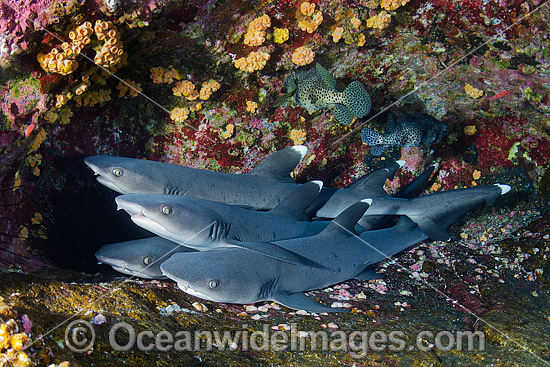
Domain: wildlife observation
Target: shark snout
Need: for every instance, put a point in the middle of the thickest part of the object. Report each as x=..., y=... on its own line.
x=89, y=161
x=131, y=207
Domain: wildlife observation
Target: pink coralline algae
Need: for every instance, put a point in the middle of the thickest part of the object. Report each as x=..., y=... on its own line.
x=17, y=18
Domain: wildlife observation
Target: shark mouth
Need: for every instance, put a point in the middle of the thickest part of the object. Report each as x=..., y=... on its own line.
x=187, y=289
x=108, y=183
x=152, y=226
x=101, y=179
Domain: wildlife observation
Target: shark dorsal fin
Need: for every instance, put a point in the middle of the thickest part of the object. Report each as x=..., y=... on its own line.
x=278, y=165
x=325, y=76
x=345, y=222
x=296, y=203
x=417, y=185
x=372, y=184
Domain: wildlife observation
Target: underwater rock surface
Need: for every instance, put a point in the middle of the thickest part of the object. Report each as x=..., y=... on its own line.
x=199, y=84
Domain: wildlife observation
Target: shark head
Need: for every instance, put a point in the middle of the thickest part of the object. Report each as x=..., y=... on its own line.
x=222, y=276
x=125, y=175
x=180, y=219
x=141, y=258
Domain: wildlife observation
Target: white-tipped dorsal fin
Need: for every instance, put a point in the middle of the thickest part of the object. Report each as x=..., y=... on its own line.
x=278, y=165
x=401, y=162
x=503, y=188
x=296, y=203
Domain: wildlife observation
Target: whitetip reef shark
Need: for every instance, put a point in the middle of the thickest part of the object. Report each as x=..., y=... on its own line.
x=262, y=188
x=220, y=276
x=141, y=258
x=266, y=185
x=204, y=225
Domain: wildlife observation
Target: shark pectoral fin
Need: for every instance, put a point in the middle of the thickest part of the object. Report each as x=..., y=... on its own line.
x=244, y=206
x=342, y=114
x=325, y=76
x=430, y=226
x=278, y=165
x=297, y=202
x=299, y=301
x=369, y=274
x=277, y=252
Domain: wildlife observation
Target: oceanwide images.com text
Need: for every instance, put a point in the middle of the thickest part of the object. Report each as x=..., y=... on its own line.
x=80, y=337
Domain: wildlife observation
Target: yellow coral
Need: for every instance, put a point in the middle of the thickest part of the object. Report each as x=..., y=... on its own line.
x=208, y=88
x=303, y=56
x=57, y=62
x=311, y=23
x=50, y=116
x=393, y=4
x=260, y=23
x=81, y=88
x=157, y=75
x=470, y=130
x=361, y=40
x=40, y=137
x=228, y=132
x=251, y=106
x=337, y=34
x=129, y=86
x=169, y=76
x=179, y=114
x=280, y=35
x=379, y=21
x=476, y=174
x=93, y=98
x=298, y=136
x=307, y=8
x=111, y=51
x=65, y=115
x=187, y=89
x=473, y=92
x=356, y=22
x=61, y=100
x=254, y=61
x=254, y=37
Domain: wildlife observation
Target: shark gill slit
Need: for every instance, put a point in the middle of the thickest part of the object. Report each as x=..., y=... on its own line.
x=266, y=291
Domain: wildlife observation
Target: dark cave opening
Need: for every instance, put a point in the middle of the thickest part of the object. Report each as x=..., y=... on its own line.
x=81, y=217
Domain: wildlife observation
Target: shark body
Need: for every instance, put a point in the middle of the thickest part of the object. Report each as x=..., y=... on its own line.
x=270, y=279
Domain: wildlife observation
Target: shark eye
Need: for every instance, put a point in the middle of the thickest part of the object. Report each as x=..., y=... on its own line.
x=213, y=284
x=117, y=172
x=167, y=209
x=148, y=260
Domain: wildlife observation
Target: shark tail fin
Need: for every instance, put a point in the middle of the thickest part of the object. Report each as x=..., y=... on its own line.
x=443, y=214
x=296, y=203
x=278, y=165
x=357, y=99
x=344, y=223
